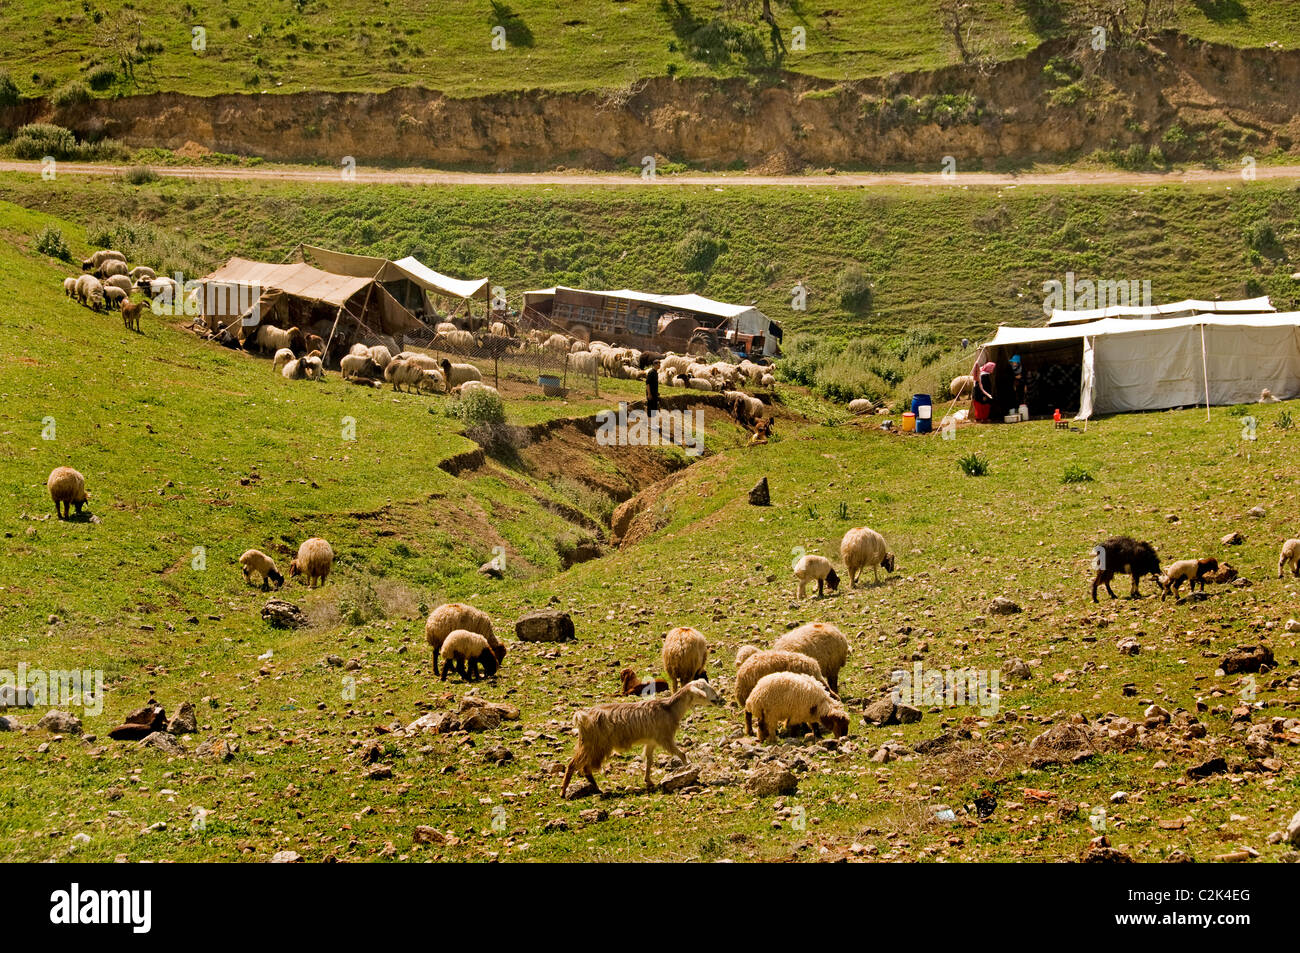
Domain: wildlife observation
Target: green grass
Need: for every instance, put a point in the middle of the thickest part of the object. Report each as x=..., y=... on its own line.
x=257, y=45
x=187, y=445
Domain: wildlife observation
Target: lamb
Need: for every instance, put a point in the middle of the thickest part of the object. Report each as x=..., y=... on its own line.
x=162, y=287
x=810, y=567
x=67, y=489
x=1290, y=557
x=434, y=382
x=69, y=287
x=402, y=373
x=256, y=561
x=1123, y=554
x=303, y=368
x=355, y=365
x=450, y=617
x=456, y=374
x=142, y=271
x=862, y=547
x=822, y=642
x=632, y=685
x=619, y=726
x=271, y=339
x=131, y=311
x=315, y=559
x=685, y=654
x=120, y=281
x=282, y=357
x=88, y=290
x=961, y=386
x=114, y=296
x=758, y=664
x=795, y=699
x=466, y=651
x=469, y=387
x=1186, y=570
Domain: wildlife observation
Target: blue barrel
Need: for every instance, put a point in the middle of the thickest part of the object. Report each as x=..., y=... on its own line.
x=924, y=411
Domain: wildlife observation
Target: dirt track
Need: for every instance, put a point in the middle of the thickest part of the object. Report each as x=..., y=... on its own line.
x=883, y=179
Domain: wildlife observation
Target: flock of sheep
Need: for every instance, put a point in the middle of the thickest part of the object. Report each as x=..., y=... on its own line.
x=107, y=281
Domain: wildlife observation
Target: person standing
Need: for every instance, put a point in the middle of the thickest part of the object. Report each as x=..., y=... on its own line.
x=982, y=399
x=1017, y=383
x=652, y=391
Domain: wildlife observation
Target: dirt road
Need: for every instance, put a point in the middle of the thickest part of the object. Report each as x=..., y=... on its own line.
x=362, y=176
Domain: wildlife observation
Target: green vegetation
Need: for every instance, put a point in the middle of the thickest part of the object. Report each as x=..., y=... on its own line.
x=1076, y=473
x=41, y=139
x=49, y=241
x=973, y=465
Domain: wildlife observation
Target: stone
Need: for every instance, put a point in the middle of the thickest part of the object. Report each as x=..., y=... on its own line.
x=380, y=772
x=427, y=835
x=184, y=722
x=1128, y=645
x=1247, y=658
x=491, y=570
x=286, y=857
x=1001, y=605
x=881, y=712
x=593, y=815
x=771, y=780
x=141, y=723
x=1061, y=744
x=216, y=749
x=1016, y=668
x=1257, y=512
x=1293, y=831
x=1105, y=855
x=1233, y=539
x=437, y=722
x=759, y=495
x=60, y=722
x=7, y=724
x=681, y=779
x=1207, y=768
x=545, y=625
x=283, y=614
x=498, y=754
x=906, y=714
x=163, y=742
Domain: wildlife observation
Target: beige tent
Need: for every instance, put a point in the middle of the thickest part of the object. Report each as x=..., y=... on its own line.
x=408, y=280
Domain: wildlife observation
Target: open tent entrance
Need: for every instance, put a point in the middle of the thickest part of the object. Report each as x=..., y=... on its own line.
x=1053, y=371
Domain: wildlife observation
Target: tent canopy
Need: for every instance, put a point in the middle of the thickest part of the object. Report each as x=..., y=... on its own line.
x=1152, y=364
x=694, y=303
x=408, y=269
x=1176, y=309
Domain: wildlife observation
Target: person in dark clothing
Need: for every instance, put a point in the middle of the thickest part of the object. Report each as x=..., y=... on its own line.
x=1017, y=381
x=982, y=400
x=652, y=391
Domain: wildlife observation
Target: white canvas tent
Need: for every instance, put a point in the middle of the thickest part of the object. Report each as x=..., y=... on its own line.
x=408, y=280
x=1176, y=309
x=1152, y=364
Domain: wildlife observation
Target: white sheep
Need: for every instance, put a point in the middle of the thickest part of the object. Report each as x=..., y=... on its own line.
x=381, y=355
x=67, y=489
x=583, y=364
x=861, y=406
x=402, y=373
x=450, y=617
x=556, y=344
x=111, y=267
x=445, y=327
x=421, y=360
x=469, y=387
x=282, y=357
x=256, y=561
x=466, y=651
x=90, y=291
x=620, y=726
x=121, y=282
x=98, y=258
x=862, y=547
x=795, y=699
x=315, y=559
x=69, y=286
x=821, y=641
x=1290, y=557
x=142, y=271
x=114, y=297
x=456, y=340
x=758, y=664
x=433, y=382
x=685, y=655
x=700, y=383
x=812, y=567
x=768, y=381
x=271, y=339
x=457, y=374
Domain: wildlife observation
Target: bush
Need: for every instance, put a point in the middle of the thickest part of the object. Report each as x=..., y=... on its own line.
x=1075, y=473
x=42, y=139
x=100, y=77
x=50, y=242
x=140, y=175
x=480, y=407
x=973, y=465
x=855, y=290
x=1261, y=237
x=8, y=91
x=697, y=250
x=72, y=93
x=1284, y=421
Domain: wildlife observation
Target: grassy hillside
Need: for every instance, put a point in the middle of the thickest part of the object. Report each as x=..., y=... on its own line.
x=187, y=445
x=283, y=46
x=945, y=263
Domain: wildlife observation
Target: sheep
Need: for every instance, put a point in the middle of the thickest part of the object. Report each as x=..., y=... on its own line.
x=961, y=386
x=466, y=651
x=456, y=340
x=131, y=311
x=282, y=357
x=142, y=271
x=1290, y=557
x=381, y=355
x=469, y=387
x=452, y=616
x=795, y=699
x=820, y=641
x=557, y=344
x=1123, y=554
x=456, y=374
x=434, y=382
x=303, y=368
x=114, y=296
x=157, y=287
x=810, y=567
x=89, y=289
x=421, y=360
x=111, y=267
x=632, y=685
x=768, y=381
x=120, y=281
x=1185, y=570
x=402, y=373
x=256, y=561
x=271, y=339
x=699, y=383
x=862, y=547
x=619, y=726
x=577, y=347
x=583, y=364
x=314, y=560
x=685, y=654
x=359, y=350
x=745, y=653
x=313, y=342
x=445, y=327
x=69, y=287
x=94, y=262
x=67, y=489
x=861, y=406
x=758, y=664
x=743, y=407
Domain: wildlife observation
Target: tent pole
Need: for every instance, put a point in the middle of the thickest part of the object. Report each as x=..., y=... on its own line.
x=1205, y=370
x=337, y=314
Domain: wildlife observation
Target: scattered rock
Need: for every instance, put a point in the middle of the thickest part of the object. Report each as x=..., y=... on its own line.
x=216, y=749
x=680, y=779
x=1128, y=645
x=1257, y=512
x=184, y=722
x=1001, y=605
x=771, y=780
x=427, y=835
x=1247, y=658
x=759, y=495
x=7, y=724
x=1016, y=668
x=491, y=569
x=593, y=815
x=1105, y=855
x=60, y=722
x=1233, y=539
x=162, y=742
x=556, y=824
x=286, y=857
x=1293, y=831
x=545, y=625
x=881, y=712
x=380, y=772
x=283, y=614
x=1061, y=744
x=1207, y=768
x=499, y=754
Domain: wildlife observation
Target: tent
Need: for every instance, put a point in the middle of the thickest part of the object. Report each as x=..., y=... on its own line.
x=1177, y=309
x=408, y=280
x=1120, y=365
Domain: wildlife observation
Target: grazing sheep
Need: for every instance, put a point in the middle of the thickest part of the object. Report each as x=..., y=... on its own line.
x=1185, y=570
x=464, y=650
x=282, y=357
x=685, y=654
x=810, y=567
x=862, y=547
x=450, y=617
x=131, y=311
x=67, y=489
x=582, y=364
x=69, y=287
x=142, y=271
x=1124, y=554
x=619, y=726
x=356, y=365
x=157, y=287
x=421, y=360
x=381, y=355
x=270, y=339
x=315, y=559
x=89, y=289
x=359, y=350
x=744, y=408
x=961, y=386
x=469, y=387
x=402, y=373
x=434, y=382
x=456, y=340
x=98, y=258
x=822, y=642
x=457, y=374
x=256, y=561
x=699, y=383
x=632, y=685
x=119, y=281
x=861, y=406
x=758, y=664
x=445, y=327
x=795, y=699
x=111, y=267
x=768, y=381
x=1290, y=557
x=114, y=297
x=745, y=653
x=557, y=344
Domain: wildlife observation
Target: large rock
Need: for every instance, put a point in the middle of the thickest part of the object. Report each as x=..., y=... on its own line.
x=1247, y=658
x=162, y=742
x=141, y=723
x=60, y=722
x=216, y=749
x=1293, y=831
x=880, y=712
x=1003, y=606
x=681, y=779
x=184, y=722
x=759, y=495
x=1061, y=744
x=545, y=625
x=1016, y=668
x=283, y=614
x=770, y=780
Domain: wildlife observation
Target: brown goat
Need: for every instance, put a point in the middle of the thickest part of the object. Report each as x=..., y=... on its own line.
x=131, y=314
x=632, y=685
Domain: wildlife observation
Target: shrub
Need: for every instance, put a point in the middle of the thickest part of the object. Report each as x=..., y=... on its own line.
x=140, y=175
x=42, y=139
x=973, y=465
x=697, y=250
x=72, y=93
x=1076, y=473
x=1284, y=421
x=1261, y=237
x=854, y=289
x=50, y=242
x=480, y=407
x=8, y=91
x=100, y=77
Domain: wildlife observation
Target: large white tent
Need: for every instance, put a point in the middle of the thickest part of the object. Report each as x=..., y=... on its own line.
x=1152, y=364
x=1176, y=309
